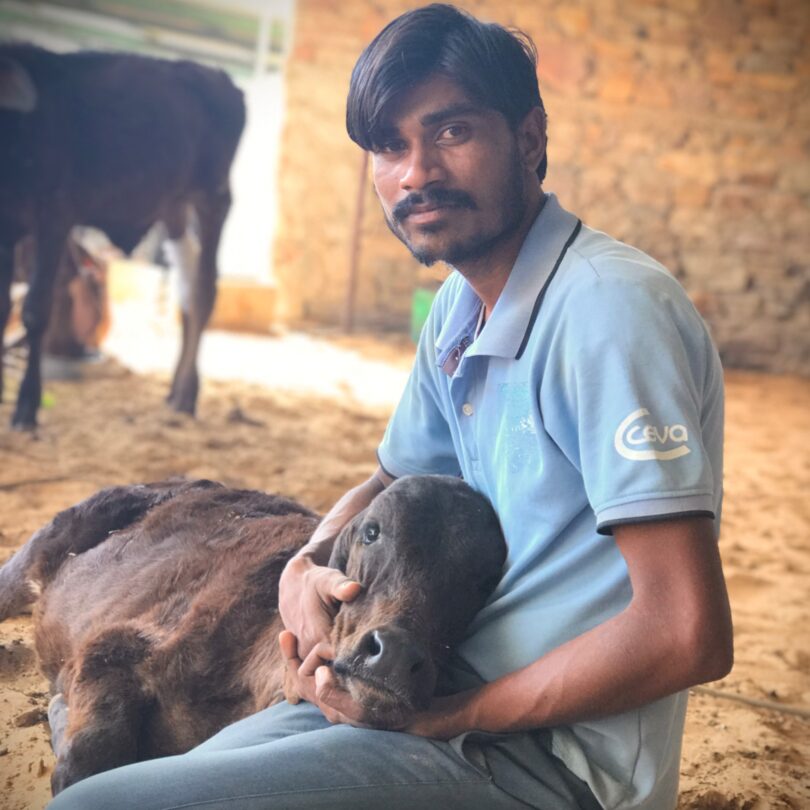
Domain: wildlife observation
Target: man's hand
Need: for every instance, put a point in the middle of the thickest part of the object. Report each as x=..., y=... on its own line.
x=309, y=598
x=314, y=682
x=310, y=592
x=446, y=718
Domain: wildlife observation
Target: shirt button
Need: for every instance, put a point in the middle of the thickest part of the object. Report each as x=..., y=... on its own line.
x=467, y=409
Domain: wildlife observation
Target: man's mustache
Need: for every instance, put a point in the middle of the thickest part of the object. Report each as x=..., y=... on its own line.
x=435, y=197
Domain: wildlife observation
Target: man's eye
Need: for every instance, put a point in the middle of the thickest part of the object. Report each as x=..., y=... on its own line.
x=454, y=132
x=371, y=531
x=390, y=147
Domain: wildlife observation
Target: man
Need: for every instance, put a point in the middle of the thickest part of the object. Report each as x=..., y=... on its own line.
x=567, y=377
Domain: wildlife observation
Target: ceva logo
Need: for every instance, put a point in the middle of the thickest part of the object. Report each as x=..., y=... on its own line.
x=633, y=432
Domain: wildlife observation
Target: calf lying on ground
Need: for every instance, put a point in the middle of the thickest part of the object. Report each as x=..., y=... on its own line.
x=157, y=622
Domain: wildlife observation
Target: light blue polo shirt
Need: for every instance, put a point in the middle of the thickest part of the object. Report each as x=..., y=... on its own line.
x=593, y=396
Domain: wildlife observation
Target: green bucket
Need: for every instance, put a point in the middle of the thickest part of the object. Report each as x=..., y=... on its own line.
x=420, y=307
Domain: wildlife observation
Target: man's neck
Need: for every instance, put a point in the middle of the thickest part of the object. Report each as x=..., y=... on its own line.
x=488, y=274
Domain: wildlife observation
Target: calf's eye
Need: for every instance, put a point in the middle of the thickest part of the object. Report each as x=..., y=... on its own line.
x=371, y=531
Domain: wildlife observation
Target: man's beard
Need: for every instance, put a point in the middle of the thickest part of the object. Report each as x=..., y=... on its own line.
x=477, y=246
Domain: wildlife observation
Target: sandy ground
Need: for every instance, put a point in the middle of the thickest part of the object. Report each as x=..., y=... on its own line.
x=307, y=424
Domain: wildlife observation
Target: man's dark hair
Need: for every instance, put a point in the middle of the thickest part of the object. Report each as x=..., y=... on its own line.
x=496, y=67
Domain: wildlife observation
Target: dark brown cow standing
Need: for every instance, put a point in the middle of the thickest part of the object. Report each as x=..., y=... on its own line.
x=157, y=622
x=118, y=142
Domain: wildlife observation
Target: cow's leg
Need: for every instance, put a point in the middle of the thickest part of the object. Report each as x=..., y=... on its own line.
x=183, y=255
x=212, y=208
x=104, y=710
x=6, y=277
x=71, y=532
x=50, y=242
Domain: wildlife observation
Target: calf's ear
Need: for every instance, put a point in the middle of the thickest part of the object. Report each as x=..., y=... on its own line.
x=344, y=542
x=17, y=90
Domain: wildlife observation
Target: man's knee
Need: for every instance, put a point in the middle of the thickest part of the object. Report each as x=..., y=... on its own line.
x=276, y=723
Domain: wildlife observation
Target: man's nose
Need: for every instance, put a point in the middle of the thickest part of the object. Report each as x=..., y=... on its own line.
x=421, y=167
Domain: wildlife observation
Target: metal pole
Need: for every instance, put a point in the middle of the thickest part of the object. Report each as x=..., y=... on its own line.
x=262, y=42
x=357, y=238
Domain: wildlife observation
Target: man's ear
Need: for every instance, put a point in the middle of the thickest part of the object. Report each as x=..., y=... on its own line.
x=531, y=137
x=345, y=540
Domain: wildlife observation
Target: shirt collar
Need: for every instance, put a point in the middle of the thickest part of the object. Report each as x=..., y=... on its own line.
x=507, y=329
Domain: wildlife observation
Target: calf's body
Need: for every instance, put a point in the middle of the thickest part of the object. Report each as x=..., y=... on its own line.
x=157, y=620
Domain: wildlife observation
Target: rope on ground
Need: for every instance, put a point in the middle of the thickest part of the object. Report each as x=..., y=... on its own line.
x=771, y=705
x=33, y=482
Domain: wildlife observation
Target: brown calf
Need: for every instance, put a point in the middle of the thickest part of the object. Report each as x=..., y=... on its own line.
x=80, y=314
x=116, y=141
x=157, y=620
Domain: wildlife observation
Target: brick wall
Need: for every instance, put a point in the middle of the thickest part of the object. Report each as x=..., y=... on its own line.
x=680, y=126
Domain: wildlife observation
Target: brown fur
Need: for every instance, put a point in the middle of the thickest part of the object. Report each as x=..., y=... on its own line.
x=158, y=622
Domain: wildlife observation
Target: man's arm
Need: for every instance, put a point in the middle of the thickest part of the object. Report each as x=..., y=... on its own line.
x=309, y=590
x=676, y=632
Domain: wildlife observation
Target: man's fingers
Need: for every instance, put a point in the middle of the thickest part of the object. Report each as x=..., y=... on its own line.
x=336, y=704
x=289, y=647
x=329, y=692
x=313, y=681
x=324, y=683
x=321, y=654
x=347, y=591
x=335, y=585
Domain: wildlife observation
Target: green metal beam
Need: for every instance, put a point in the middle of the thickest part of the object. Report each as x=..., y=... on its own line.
x=218, y=34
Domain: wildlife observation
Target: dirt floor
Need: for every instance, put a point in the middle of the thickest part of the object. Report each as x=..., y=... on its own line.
x=113, y=428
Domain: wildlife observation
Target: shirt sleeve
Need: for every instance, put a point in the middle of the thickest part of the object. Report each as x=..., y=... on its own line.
x=635, y=400
x=418, y=439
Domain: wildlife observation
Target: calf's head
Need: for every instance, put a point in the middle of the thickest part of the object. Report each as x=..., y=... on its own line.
x=428, y=552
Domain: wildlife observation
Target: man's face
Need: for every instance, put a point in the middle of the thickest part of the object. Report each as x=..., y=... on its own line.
x=449, y=175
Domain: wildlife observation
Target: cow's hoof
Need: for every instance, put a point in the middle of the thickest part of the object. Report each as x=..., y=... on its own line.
x=25, y=415
x=16, y=593
x=181, y=404
x=57, y=720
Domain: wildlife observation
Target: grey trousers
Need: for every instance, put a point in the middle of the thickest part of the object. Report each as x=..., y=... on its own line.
x=290, y=757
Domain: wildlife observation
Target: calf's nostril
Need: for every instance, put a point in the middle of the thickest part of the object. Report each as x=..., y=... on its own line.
x=371, y=645
x=392, y=653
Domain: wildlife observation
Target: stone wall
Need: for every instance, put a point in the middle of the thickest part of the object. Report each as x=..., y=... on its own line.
x=680, y=126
